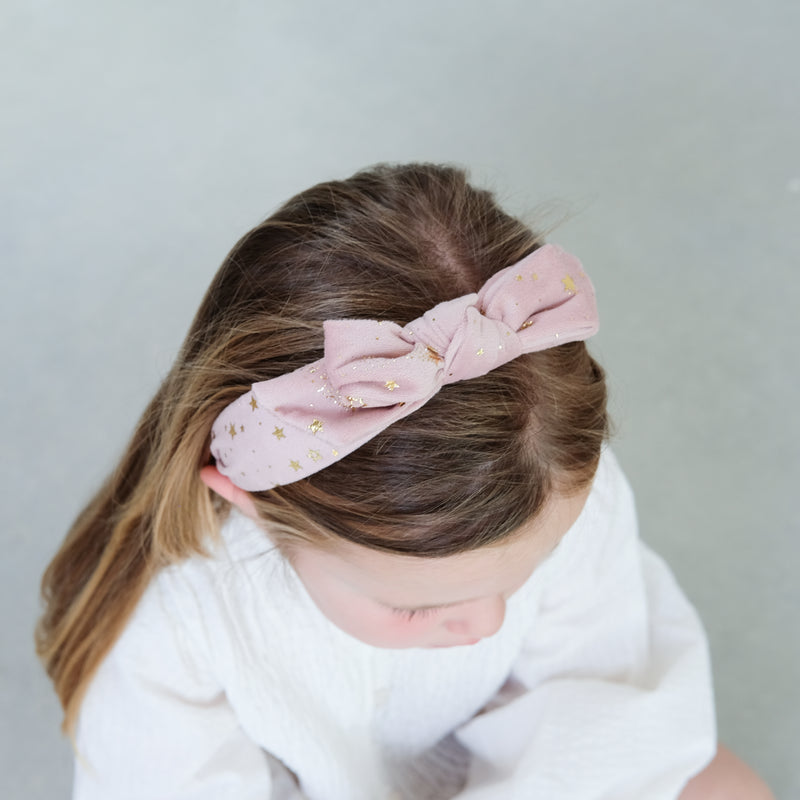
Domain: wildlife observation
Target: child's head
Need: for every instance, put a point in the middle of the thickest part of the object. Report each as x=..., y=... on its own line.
x=451, y=482
x=480, y=461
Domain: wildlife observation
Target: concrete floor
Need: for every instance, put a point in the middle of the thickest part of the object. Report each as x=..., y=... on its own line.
x=139, y=141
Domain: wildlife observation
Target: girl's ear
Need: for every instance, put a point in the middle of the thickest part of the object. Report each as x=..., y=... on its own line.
x=222, y=485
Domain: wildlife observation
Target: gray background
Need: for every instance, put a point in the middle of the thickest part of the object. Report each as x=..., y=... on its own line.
x=140, y=140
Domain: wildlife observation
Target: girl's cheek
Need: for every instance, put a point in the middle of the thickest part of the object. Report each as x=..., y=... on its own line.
x=396, y=624
x=408, y=629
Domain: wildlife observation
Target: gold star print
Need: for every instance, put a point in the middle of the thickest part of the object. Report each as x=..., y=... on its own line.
x=253, y=403
x=232, y=430
x=535, y=276
x=278, y=433
x=295, y=465
x=433, y=355
x=391, y=385
x=315, y=426
x=314, y=455
x=569, y=284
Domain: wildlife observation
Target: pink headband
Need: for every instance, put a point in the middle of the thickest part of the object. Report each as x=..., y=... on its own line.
x=374, y=373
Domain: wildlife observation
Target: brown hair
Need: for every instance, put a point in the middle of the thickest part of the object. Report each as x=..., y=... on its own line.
x=463, y=472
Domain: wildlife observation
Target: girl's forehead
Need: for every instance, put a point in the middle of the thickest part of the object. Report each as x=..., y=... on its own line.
x=404, y=580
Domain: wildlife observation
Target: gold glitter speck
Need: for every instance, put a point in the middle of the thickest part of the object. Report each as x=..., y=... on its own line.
x=315, y=426
x=535, y=276
x=526, y=324
x=295, y=465
x=278, y=433
x=314, y=455
x=391, y=385
x=433, y=355
x=253, y=403
x=334, y=453
x=480, y=352
x=569, y=285
x=518, y=277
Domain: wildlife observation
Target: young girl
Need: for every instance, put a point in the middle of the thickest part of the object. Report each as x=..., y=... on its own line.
x=367, y=542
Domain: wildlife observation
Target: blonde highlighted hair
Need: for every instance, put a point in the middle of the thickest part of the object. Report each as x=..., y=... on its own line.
x=461, y=473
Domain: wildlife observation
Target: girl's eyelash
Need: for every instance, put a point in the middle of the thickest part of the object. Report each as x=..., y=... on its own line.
x=414, y=613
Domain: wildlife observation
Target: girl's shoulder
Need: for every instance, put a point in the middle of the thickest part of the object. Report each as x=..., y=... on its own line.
x=170, y=668
x=606, y=523
x=240, y=539
x=240, y=549
x=187, y=608
x=610, y=504
x=609, y=478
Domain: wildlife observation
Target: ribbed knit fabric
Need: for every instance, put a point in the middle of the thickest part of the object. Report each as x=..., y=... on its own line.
x=596, y=687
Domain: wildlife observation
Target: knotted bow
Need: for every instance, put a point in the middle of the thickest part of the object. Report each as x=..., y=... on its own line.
x=373, y=373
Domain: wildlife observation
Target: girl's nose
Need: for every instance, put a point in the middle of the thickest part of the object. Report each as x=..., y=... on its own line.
x=478, y=619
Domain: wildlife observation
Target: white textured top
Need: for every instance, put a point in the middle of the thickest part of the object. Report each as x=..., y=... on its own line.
x=596, y=687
